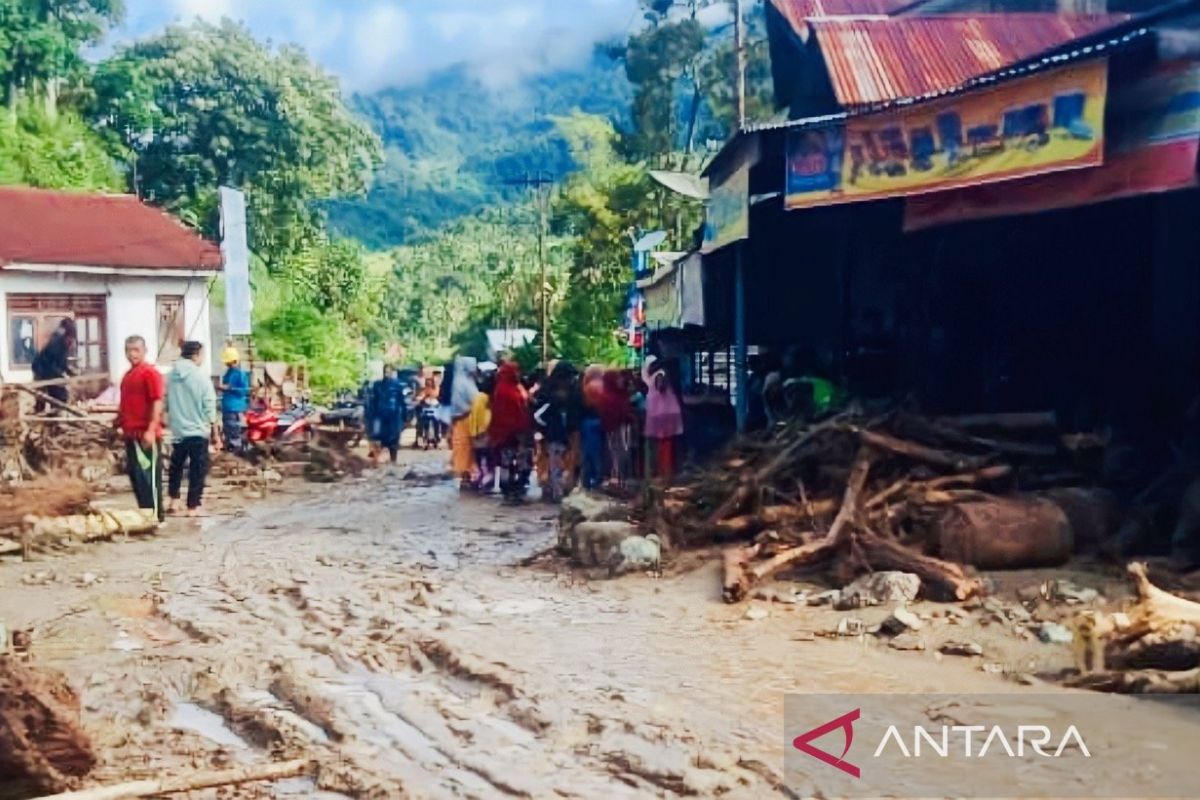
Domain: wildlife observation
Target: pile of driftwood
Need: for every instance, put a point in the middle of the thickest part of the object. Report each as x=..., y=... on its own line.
x=42, y=747
x=896, y=492
x=1152, y=646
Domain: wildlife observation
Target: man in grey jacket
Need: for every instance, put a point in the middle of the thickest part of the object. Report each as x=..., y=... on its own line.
x=191, y=415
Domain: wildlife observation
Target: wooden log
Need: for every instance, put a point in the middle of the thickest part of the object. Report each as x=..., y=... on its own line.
x=774, y=516
x=940, y=580
x=207, y=779
x=848, y=515
x=905, y=487
x=1003, y=532
x=920, y=452
x=53, y=402
x=734, y=562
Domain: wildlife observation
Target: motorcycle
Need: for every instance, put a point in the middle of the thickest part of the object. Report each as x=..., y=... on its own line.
x=347, y=416
x=265, y=424
x=429, y=426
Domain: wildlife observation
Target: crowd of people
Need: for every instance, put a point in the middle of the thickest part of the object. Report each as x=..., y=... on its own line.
x=568, y=427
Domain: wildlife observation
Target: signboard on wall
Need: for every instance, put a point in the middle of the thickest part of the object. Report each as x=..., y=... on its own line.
x=1043, y=123
x=235, y=250
x=727, y=214
x=1153, y=143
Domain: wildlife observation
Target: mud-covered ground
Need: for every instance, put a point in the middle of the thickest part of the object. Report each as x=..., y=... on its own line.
x=387, y=628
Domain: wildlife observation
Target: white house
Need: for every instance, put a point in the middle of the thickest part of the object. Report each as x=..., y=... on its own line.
x=115, y=265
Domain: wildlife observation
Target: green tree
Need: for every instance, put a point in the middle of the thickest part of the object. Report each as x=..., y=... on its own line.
x=41, y=43
x=58, y=153
x=600, y=208
x=203, y=106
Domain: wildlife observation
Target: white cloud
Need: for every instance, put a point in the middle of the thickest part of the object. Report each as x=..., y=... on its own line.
x=376, y=43
x=212, y=10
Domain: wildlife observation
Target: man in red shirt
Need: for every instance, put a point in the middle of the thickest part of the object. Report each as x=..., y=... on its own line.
x=139, y=420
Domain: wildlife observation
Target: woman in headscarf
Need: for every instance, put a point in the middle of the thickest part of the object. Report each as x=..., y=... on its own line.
x=664, y=417
x=616, y=415
x=478, y=422
x=591, y=429
x=463, y=392
x=509, y=431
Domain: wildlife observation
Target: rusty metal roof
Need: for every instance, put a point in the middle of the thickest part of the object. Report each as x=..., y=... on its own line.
x=798, y=12
x=873, y=61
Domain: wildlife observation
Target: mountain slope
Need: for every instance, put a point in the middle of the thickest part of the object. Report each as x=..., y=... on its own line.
x=451, y=143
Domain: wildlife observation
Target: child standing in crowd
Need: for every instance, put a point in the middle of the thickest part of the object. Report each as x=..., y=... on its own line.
x=664, y=417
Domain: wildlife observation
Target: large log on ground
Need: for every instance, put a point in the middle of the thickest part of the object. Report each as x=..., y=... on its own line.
x=41, y=744
x=1004, y=533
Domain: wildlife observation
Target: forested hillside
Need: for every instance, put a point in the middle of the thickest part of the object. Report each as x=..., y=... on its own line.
x=452, y=141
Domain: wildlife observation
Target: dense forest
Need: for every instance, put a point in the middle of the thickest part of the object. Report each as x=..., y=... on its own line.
x=386, y=218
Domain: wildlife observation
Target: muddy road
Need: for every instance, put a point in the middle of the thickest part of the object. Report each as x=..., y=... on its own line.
x=385, y=628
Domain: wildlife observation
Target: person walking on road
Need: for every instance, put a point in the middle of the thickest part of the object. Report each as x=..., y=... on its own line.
x=235, y=401
x=139, y=420
x=191, y=414
x=388, y=411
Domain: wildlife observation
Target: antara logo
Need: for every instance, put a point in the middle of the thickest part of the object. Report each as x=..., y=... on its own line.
x=846, y=724
x=969, y=741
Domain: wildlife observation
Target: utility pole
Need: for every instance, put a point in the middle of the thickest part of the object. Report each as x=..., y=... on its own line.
x=739, y=46
x=540, y=183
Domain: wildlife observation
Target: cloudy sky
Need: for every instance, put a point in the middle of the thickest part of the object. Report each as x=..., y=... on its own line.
x=376, y=43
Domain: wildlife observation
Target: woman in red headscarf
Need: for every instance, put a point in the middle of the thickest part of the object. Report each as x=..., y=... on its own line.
x=509, y=431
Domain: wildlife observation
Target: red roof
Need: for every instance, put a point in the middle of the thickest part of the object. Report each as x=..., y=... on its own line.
x=39, y=226
x=797, y=11
x=875, y=61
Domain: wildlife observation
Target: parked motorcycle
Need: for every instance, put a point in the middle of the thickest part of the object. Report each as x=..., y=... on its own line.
x=429, y=426
x=346, y=416
x=265, y=425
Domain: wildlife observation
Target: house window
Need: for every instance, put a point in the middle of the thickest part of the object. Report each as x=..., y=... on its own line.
x=32, y=319
x=171, y=330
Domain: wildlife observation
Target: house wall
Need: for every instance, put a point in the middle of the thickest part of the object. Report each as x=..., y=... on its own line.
x=131, y=310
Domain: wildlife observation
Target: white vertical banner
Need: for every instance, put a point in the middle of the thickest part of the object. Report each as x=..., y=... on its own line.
x=235, y=248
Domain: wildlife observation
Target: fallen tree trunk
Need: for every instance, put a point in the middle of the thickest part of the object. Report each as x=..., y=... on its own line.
x=208, y=779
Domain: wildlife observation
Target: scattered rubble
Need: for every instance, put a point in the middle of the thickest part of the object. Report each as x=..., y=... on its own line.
x=877, y=589
x=961, y=649
x=900, y=621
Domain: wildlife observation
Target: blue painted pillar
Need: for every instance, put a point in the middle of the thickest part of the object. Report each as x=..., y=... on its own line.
x=742, y=399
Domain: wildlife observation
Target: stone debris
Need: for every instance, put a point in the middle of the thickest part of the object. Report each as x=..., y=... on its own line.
x=877, y=589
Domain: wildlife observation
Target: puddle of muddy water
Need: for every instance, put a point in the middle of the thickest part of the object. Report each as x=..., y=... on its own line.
x=194, y=719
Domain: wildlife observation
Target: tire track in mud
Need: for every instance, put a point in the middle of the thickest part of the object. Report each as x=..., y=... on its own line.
x=322, y=643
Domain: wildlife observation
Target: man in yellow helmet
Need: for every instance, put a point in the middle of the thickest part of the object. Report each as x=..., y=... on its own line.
x=235, y=400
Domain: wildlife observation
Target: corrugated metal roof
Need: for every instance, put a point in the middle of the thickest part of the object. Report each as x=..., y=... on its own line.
x=797, y=12
x=1028, y=67
x=39, y=226
x=882, y=60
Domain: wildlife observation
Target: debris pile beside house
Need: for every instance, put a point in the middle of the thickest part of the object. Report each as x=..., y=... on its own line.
x=931, y=497
x=42, y=746
x=1152, y=646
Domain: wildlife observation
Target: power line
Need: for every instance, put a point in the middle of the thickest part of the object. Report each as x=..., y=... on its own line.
x=537, y=181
